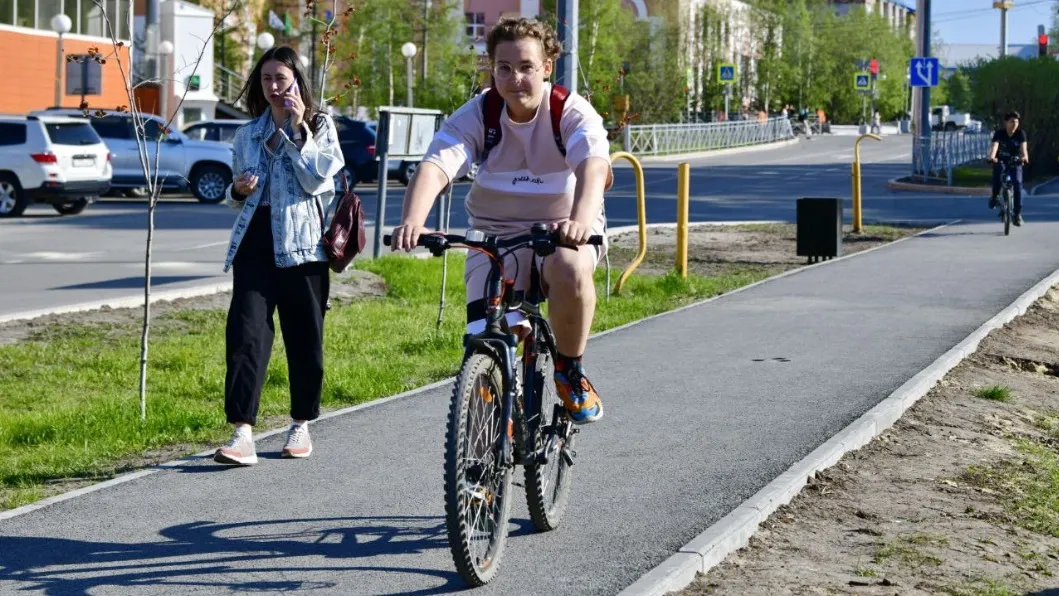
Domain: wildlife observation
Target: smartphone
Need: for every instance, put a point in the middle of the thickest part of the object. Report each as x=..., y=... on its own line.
x=292, y=90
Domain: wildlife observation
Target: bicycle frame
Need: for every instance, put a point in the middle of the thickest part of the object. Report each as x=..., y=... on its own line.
x=502, y=345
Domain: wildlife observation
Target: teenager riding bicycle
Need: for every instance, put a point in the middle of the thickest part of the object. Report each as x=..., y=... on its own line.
x=525, y=178
x=1009, y=140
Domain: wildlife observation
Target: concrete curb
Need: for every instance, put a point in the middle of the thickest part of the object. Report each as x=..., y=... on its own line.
x=893, y=184
x=734, y=530
x=130, y=476
x=120, y=302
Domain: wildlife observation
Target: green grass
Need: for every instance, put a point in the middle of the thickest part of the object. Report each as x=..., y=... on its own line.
x=1028, y=487
x=973, y=175
x=994, y=393
x=69, y=399
x=906, y=550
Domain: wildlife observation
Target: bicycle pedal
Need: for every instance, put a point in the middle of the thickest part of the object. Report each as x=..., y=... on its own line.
x=568, y=456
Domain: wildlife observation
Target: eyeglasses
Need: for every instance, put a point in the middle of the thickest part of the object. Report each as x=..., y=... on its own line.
x=505, y=71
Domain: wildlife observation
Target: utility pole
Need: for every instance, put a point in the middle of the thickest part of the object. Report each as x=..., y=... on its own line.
x=1004, y=6
x=423, y=58
x=923, y=131
x=566, y=69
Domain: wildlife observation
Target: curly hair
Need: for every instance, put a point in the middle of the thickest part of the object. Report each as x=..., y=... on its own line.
x=511, y=29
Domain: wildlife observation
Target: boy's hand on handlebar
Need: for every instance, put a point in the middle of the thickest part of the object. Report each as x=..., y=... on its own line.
x=406, y=236
x=573, y=233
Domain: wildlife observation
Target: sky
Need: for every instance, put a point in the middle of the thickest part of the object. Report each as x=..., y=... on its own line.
x=976, y=21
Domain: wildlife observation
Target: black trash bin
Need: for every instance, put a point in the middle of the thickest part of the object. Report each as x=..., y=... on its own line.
x=819, y=234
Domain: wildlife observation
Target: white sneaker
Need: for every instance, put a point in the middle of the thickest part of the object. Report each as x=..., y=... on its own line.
x=239, y=451
x=298, y=442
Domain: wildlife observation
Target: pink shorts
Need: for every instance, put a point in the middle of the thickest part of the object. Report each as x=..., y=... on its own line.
x=517, y=266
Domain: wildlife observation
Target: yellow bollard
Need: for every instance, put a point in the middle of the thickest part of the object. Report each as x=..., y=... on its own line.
x=641, y=216
x=683, y=200
x=857, y=223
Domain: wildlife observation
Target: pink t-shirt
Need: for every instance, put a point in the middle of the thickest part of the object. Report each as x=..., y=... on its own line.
x=525, y=178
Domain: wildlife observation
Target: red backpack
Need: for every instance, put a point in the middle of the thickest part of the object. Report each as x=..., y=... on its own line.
x=493, y=107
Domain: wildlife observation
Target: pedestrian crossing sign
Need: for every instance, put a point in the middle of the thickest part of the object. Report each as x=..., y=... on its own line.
x=726, y=74
x=862, y=81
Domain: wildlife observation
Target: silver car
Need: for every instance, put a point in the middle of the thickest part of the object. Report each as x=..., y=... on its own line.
x=202, y=167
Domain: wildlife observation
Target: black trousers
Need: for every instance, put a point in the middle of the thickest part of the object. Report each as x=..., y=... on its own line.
x=1016, y=184
x=259, y=289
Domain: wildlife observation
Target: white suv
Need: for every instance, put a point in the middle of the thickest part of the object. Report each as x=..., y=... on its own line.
x=51, y=159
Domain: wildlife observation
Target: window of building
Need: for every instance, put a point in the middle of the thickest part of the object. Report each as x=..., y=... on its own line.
x=475, y=24
x=85, y=16
x=7, y=12
x=46, y=9
x=25, y=13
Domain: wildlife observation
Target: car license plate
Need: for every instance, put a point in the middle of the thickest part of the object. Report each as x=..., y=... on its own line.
x=84, y=162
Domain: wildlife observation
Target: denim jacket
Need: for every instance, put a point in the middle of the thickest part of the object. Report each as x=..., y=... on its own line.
x=300, y=185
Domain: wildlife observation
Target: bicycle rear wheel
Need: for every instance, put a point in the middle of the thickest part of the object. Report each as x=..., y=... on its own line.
x=547, y=484
x=1009, y=210
x=477, y=486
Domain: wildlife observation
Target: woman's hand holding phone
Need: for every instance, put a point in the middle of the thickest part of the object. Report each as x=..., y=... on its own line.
x=245, y=184
x=293, y=103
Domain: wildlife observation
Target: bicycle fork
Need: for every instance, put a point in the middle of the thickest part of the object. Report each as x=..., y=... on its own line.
x=501, y=347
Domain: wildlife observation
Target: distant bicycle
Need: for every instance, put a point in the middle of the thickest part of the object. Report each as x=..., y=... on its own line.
x=1007, y=189
x=498, y=420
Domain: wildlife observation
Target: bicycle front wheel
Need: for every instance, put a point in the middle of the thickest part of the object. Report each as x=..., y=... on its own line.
x=477, y=485
x=1009, y=210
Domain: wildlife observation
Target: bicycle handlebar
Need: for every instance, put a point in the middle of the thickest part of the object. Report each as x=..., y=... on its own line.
x=537, y=239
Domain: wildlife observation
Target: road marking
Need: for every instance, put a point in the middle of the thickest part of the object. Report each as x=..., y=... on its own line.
x=200, y=246
x=61, y=256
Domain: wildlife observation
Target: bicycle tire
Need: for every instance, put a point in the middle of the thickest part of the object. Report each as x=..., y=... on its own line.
x=476, y=571
x=1008, y=211
x=547, y=485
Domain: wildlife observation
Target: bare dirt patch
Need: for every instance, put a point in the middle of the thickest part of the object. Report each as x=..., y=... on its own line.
x=961, y=496
x=715, y=249
x=350, y=285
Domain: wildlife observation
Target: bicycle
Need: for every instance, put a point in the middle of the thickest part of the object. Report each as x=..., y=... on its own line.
x=1007, y=190
x=525, y=431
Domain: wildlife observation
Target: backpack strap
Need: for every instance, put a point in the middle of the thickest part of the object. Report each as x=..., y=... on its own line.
x=557, y=102
x=492, y=107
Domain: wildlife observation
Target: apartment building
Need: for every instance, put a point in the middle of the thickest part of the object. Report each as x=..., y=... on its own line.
x=901, y=14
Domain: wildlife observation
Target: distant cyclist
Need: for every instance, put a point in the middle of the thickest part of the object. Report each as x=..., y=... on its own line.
x=1009, y=141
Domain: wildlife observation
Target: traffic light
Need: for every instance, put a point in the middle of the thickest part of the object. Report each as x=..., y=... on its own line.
x=1042, y=45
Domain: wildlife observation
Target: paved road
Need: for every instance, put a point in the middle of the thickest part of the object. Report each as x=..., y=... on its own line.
x=48, y=261
x=704, y=407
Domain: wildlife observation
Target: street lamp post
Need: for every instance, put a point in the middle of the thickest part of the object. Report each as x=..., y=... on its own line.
x=165, y=49
x=61, y=24
x=408, y=50
x=265, y=41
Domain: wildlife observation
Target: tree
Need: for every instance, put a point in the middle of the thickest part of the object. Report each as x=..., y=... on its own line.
x=958, y=87
x=373, y=69
x=1004, y=84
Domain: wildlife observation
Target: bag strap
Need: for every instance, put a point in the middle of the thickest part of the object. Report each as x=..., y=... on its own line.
x=557, y=102
x=493, y=107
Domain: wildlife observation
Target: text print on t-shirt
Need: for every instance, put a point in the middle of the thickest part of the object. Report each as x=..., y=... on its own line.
x=534, y=180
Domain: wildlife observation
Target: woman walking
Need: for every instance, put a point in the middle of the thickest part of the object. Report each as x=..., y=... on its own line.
x=285, y=160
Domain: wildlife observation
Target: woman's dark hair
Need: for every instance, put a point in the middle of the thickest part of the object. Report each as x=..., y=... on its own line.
x=257, y=103
x=1012, y=114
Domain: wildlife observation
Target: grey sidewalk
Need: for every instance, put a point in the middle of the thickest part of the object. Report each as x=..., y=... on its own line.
x=704, y=407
